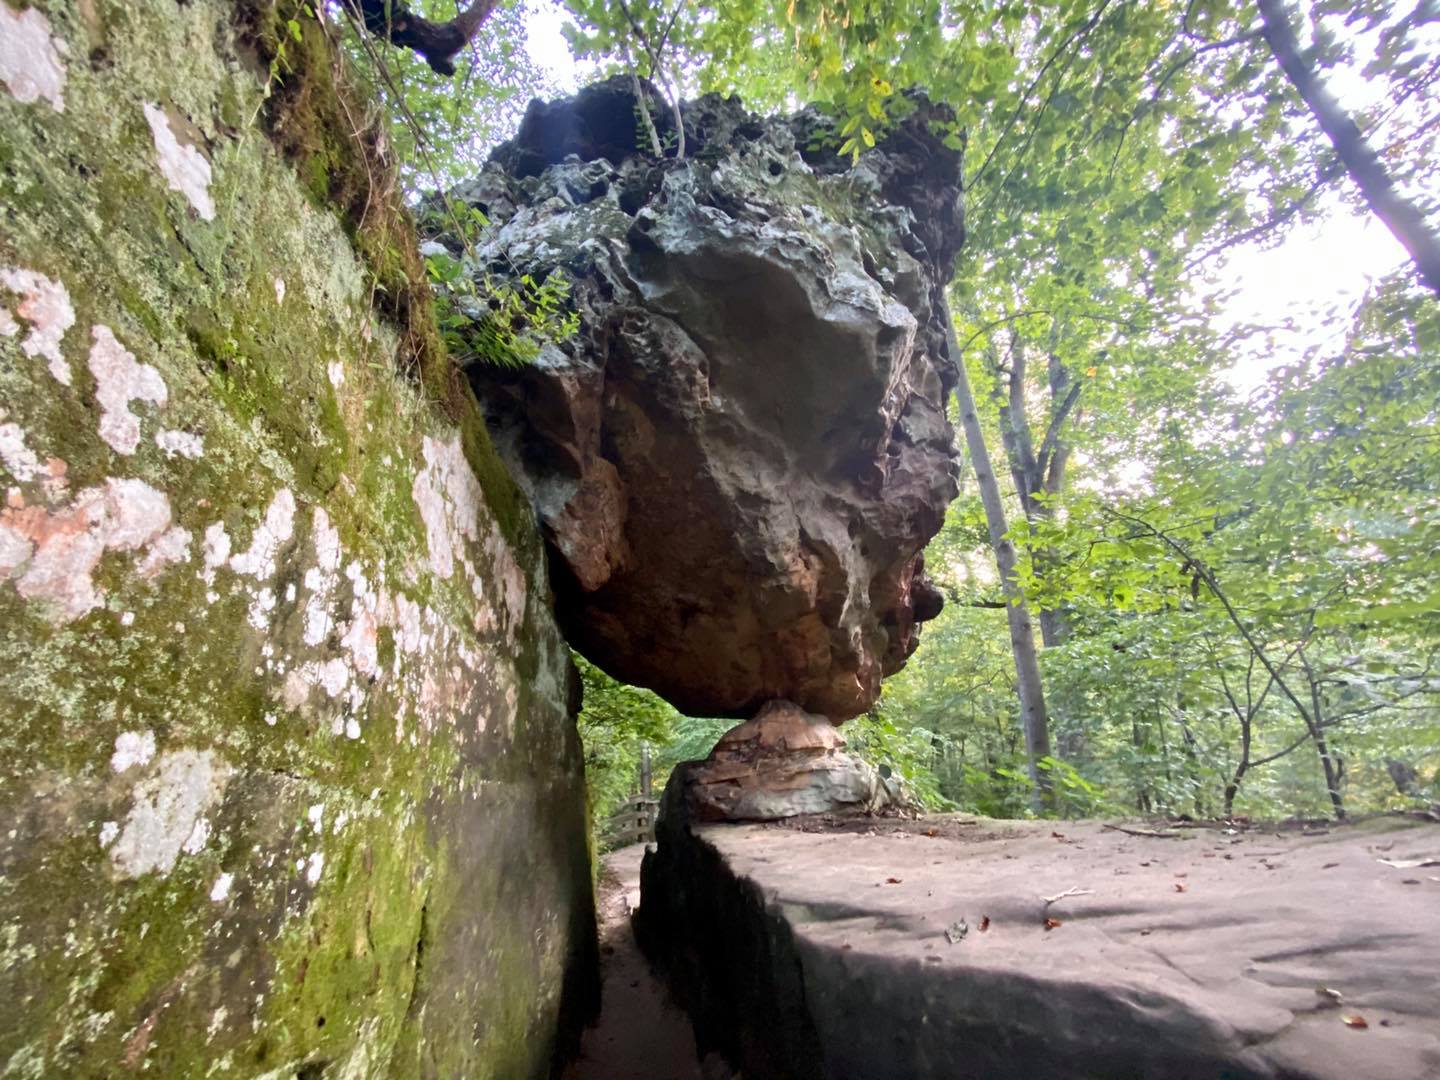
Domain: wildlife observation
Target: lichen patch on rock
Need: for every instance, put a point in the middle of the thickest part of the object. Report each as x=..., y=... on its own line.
x=17, y=457
x=119, y=380
x=259, y=560
x=184, y=167
x=51, y=555
x=31, y=63
x=166, y=817
x=45, y=305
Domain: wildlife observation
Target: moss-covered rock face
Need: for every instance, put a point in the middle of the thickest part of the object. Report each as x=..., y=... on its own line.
x=289, y=783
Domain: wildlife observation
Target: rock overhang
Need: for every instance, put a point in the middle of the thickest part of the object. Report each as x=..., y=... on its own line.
x=739, y=458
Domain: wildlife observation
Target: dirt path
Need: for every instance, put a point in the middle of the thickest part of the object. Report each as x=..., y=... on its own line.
x=640, y=1034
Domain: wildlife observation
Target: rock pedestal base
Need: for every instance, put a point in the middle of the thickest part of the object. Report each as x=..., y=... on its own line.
x=783, y=763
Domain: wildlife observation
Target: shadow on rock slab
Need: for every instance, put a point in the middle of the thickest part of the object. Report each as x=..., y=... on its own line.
x=803, y=951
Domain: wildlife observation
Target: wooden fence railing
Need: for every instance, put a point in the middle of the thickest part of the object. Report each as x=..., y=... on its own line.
x=635, y=823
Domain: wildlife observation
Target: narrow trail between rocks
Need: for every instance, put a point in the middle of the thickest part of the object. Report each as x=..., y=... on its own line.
x=640, y=1034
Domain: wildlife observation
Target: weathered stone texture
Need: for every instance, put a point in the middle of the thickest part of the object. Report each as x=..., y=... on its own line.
x=921, y=951
x=782, y=763
x=289, y=781
x=739, y=459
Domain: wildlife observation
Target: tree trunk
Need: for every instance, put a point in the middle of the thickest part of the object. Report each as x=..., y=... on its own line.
x=1402, y=217
x=1332, y=775
x=1054, y=627
x=1233, y=787
x=1036, y=473
x=1407, y=780
x=1033, y=718
x=1315, y=721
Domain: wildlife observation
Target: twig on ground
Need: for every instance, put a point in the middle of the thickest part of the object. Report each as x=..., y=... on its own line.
x=1072, y=891
x=1144, y=832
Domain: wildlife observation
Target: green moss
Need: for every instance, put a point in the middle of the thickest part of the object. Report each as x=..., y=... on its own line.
x=310, y=112
x=104, y=973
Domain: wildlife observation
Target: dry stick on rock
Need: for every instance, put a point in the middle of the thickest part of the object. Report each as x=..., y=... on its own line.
x=1144, y=832
x=655, y=51
x=437, y=43
x=1072, y=891
x=643, y=104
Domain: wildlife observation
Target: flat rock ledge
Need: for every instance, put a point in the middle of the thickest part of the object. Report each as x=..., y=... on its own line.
x=883, y=950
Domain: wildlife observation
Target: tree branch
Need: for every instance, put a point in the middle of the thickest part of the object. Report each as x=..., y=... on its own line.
x=1402, y=217
x=1052, y=434
x=436, y=43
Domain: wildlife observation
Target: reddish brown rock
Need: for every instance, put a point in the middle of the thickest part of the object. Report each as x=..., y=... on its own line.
x=739, y=458
x=783, y=763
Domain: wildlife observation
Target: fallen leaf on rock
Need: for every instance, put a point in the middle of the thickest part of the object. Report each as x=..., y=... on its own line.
x=1051, y=924
x=1411, y=881
x=893, y=880
x=1058, y=835
x=1330, y=866
x=932, y=832
x=1409, y=864
x=1329, y=999
x=956, y=931
x=1179, y=887
x=1355, y=1021
x=984, y=923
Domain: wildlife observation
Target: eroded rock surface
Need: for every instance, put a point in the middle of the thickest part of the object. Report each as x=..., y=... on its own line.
x=783, y=763
x=741, y=455
x=920, y=950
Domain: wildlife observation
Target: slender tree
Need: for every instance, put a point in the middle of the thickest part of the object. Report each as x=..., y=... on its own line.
x=1034, y=719
x=1402, y=217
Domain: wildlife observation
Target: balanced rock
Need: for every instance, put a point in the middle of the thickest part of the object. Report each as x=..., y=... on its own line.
x=739, y=457
x=783, y=763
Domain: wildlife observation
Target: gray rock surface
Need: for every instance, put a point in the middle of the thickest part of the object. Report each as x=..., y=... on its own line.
x=821, y=950
x=783, y=763
x=739, y=459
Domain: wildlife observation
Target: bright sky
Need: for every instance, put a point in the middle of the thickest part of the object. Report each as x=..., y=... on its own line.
x=1327, y=264
x=547, y=46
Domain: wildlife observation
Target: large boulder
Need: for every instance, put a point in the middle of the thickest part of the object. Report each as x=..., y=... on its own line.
x=739, y=457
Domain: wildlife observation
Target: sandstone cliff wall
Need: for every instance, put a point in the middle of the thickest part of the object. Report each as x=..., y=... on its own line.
x=289, y=781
